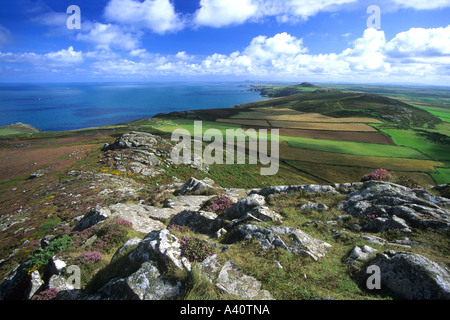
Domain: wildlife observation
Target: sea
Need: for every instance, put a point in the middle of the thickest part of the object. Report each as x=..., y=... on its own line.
x=65, y=106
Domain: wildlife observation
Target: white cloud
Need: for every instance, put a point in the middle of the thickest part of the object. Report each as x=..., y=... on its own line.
x=284, y=57
x=421, y=55
x=264, y=48
x=156, y=15
x=289, y=9
x=109, y=36
x=420, y=42
x=63, y=58
x=423, y=4
x=367, y=52
x=219, y=13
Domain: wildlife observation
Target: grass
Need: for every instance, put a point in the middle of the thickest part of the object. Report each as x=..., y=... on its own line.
x=303, y=278
x=414, y=139
x=354, y=148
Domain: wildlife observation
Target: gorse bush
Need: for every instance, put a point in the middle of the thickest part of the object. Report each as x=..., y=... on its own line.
x=217, y=204
x=195, y=250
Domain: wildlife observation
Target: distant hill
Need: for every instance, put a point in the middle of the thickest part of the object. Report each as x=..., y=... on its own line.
x=18, y=128
x=336, y=103
x=273, y=91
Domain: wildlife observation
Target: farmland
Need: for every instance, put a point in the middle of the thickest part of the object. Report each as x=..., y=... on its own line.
x=327, y=135
x=337, y=134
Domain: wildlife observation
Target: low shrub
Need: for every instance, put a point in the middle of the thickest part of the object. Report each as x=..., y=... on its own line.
x=41, y=258
x=180, y=229
x=195, y=250
x=217, y=204
x=89, y=257
x=111, y=234
x=407, y=182
x=48, y=294
x=378, y=175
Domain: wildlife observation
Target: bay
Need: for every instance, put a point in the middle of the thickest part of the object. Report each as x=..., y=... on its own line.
x=65, y=106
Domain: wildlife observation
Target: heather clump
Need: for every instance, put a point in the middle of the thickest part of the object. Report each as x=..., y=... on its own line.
x=89, y=257
x=218, y=204
x=112, y=234
x=378, y=175
x=384, y=175
x=48, y=294
x=195, y=250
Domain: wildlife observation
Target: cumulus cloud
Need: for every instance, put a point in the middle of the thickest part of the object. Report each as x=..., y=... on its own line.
x=367, y=53
x=110, y=36
x=219, y=13
x=413, y=55
x=63, y=58
x=420, y=42
x=284, y=57
x=156, y=15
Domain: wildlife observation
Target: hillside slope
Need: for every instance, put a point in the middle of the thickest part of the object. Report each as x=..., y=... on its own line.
x=336, y=103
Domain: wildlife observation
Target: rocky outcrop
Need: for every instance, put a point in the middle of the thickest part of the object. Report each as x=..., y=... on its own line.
x=291, y=239
x=372, y=207
x=144, y=284
x=229, y=279
x=144, y=218
x=198, y=221
x=198, y=187
x=141, y=140
x=161, y=246
x=391, y=206
x=138, y=153
x=412, y=276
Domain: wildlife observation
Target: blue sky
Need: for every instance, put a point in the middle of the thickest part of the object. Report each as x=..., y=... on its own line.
x=209, y=40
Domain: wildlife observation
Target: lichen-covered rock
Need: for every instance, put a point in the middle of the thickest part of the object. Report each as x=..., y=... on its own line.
x=239, y=209
x=314, y=247
x=160, y=246
x=232, y=280
x=148, y=284
x=314, y=206
x=266, y=191
x=359, y=254
x=412, y=276
x=181, y=203
x=139, y=215
x=194, y=186
x=198, y=221
x=398, y=207
x=144, y=284
x=136, y=140
x=296, y=240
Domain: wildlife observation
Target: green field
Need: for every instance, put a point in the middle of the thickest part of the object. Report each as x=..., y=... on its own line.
x=420, y=134
x=440, y=112
x=354, y=148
